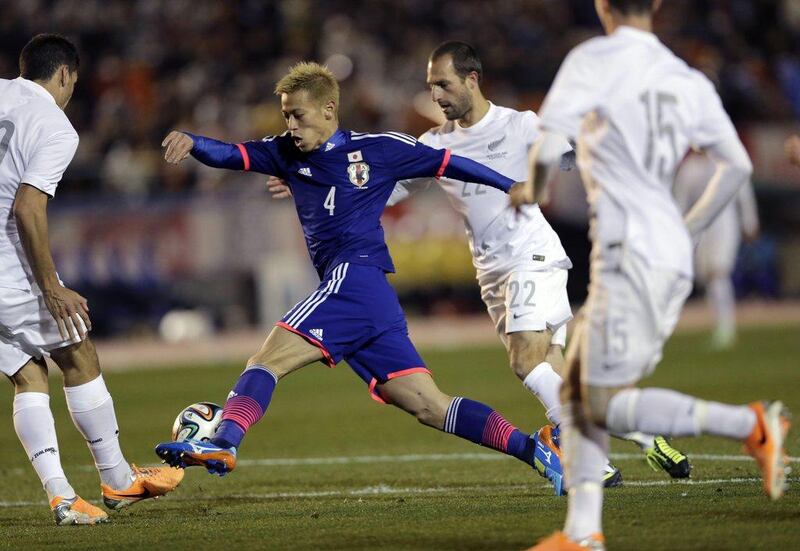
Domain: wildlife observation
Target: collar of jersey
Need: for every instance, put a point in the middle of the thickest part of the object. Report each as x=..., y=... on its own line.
x=481, y=123
x=636, y=33
x=36, y=88
x=337, y=138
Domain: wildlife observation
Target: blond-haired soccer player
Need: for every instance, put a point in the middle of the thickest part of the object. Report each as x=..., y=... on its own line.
x=635, y=109
x=341, y=181
x=39, y=316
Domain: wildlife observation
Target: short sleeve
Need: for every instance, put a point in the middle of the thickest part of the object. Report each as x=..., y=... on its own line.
x=50, y=159
x=408, y=158
x=262, y=156
x=529, y=127
x=711, y=124
x=574, y=94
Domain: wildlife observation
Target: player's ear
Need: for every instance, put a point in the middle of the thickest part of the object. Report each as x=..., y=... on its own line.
x=472, y=80
x=330, y=110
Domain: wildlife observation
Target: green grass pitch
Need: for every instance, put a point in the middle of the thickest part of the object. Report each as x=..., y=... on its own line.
x=328, y=468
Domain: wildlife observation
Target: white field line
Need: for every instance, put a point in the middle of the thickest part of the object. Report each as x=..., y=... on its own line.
x=413, y=458
x=386, y=490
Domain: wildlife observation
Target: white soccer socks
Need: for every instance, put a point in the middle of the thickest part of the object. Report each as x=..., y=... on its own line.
x=670, y=413
x=721, y=297
x=545, y=384
x=92, y=411
x=36, y=429
x=584, y=452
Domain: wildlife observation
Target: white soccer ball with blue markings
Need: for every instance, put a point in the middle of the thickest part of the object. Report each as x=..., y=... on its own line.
x=198, y=422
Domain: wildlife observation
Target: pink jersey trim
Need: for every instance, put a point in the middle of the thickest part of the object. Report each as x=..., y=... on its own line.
x=245, y=156
x=410, y=371
x=312, y=340
x=445, y=162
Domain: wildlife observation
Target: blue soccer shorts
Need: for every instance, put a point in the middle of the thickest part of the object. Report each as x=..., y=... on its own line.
x=354, y=315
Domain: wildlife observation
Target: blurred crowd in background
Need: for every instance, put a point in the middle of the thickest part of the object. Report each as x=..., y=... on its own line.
x=141, y=238
x=152, y=65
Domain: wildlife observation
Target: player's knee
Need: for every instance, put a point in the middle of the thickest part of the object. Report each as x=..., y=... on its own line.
x=428, y=410
x=32, y=377
x=80, y=358
x=429, y=415
x=596, y=403
x=527, y=350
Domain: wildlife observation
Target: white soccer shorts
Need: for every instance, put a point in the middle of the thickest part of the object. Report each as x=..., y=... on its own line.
x=628, y=316
x=27, y=329
x=528, y=300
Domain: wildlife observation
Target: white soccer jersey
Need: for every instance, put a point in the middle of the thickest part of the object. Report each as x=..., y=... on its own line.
x=499, y=238
x=37, y=143
x=635, y=109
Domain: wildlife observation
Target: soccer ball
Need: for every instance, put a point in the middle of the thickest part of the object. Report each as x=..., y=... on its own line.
x=198, y=422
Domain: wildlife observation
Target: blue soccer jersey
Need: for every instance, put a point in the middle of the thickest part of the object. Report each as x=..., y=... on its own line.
x=341, y=188
x=340, y=191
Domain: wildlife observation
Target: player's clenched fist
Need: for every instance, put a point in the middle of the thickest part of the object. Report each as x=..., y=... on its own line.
x=520, y=194
x=177, y=146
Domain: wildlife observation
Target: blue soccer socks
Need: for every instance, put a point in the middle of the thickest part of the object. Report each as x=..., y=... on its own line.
x=481, y=424
x=246, y=405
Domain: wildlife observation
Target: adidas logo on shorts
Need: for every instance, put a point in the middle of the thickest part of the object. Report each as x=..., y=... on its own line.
x=316, y=333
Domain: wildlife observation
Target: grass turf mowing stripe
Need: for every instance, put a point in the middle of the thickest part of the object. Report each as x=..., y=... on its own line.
x=412, y=458
x=383, y=489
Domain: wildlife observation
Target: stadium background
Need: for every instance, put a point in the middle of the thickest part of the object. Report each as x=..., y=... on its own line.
x=142, y=239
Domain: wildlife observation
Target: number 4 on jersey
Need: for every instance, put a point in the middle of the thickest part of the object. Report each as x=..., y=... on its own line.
x=330, y=201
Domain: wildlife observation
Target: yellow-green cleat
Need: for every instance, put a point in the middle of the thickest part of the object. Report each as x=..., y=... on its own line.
x=662, y=456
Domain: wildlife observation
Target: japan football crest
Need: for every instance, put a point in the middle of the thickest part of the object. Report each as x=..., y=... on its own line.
x=359, y=173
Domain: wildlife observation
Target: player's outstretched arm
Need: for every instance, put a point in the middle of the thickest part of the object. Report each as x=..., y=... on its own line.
x=467, y=170
x=66, y=306
x=214, y=153
x=733, y=171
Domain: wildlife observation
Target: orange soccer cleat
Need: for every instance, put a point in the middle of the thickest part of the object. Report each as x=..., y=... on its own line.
x=76, y=511
x=148, y=482
x=559, y=541
x=765, y=444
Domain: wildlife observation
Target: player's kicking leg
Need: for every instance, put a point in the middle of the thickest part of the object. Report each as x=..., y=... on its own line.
x=282, y=353
x=417, y=394
x=92, y=410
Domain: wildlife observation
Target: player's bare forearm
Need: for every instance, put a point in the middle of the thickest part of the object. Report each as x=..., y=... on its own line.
x=67, y=307
x=538, y=178
x=30, y=212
